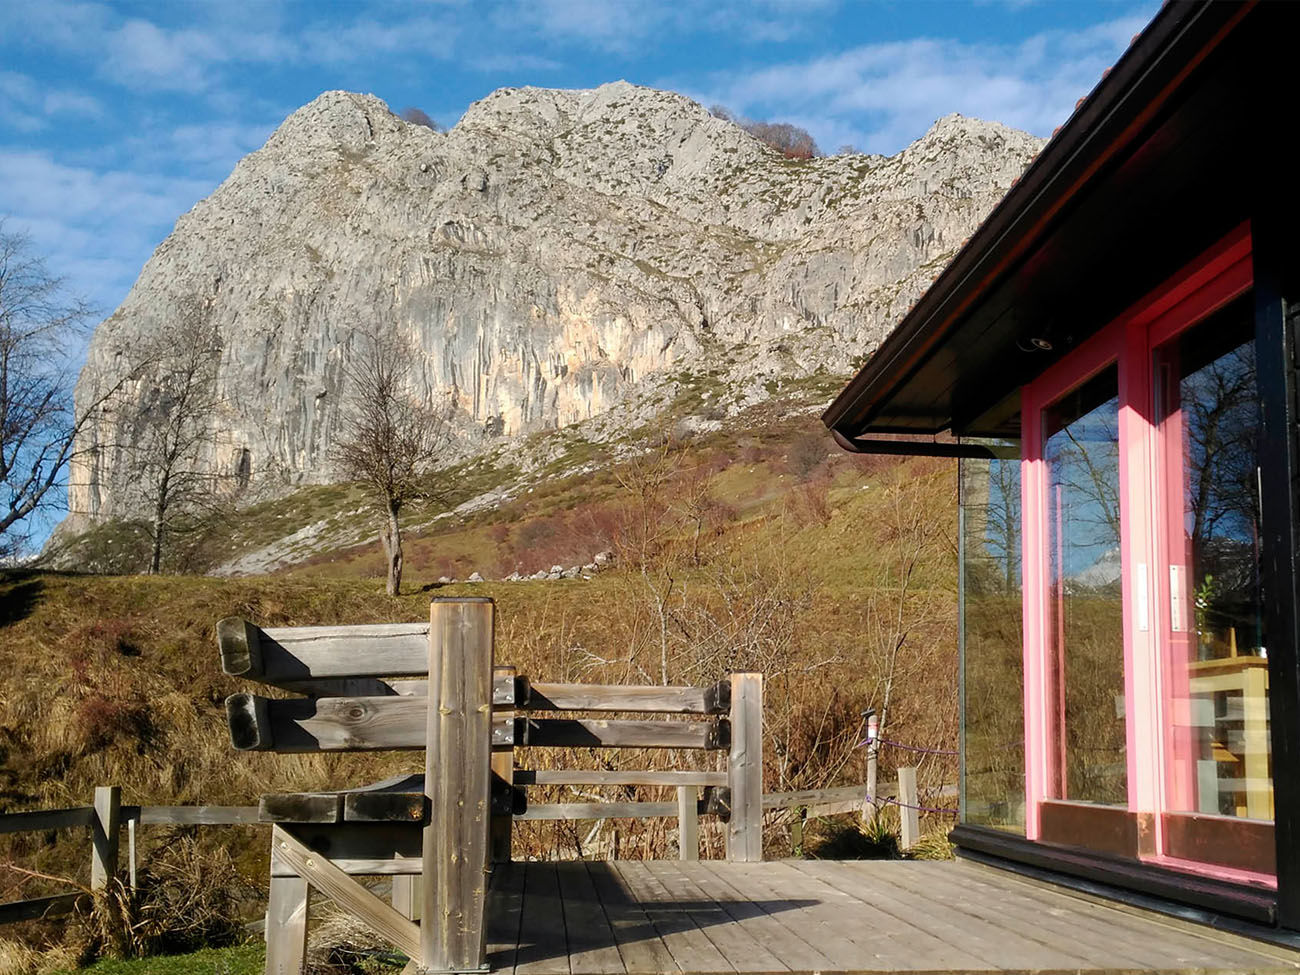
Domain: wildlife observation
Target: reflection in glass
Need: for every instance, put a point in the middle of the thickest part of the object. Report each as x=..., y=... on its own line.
x=993, y=785
x=1209, y=428
x=1085, y=602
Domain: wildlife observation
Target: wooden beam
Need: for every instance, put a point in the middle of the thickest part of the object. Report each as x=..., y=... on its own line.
x=35, y=908
x=104, y=835
x=665, y=777
x=590, y=733
x=335, y=724
x=287, y=656
x=42, y=819
x=618, y=697
x=190, y=815
x=599, y=810
x=361, y=848
x=503, y=768
x=688, y=823
x=745, y=769
x=326, y=877
x=908, y=813
x=286, y=925
x=458, y=781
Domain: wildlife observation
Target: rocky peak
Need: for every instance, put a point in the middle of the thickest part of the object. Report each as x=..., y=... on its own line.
x=556, y=255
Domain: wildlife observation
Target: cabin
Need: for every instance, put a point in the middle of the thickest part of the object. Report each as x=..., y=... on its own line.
x=1113, y=357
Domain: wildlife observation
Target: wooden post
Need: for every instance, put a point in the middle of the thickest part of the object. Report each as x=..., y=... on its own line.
x=286, y=925
x=908, y=814
x=745, y=769
x=130, y=852
x=406, y=896
x=104, y=828
x=458, y=784
x=503, y=775
x=688, y=823
x=797, y=816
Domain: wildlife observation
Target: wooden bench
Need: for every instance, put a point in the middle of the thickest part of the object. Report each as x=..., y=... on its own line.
x=434, y=687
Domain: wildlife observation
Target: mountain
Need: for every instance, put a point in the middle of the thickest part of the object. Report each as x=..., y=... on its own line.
x=555, y=257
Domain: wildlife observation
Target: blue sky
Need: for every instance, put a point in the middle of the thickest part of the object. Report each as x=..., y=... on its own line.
x=115, y=118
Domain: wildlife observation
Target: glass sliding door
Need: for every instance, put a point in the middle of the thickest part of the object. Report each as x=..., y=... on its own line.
x=1085, y=603
x=1218, y=764
x=1146, y=660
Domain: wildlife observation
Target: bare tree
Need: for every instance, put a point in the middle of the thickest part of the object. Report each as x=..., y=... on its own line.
x=41, y=328
x=389, y=438
x=171, y=458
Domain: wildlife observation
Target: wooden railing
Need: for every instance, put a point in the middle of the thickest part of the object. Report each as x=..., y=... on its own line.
x=105, y=855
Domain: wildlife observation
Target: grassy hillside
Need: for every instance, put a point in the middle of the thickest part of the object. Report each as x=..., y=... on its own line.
x=833, y=575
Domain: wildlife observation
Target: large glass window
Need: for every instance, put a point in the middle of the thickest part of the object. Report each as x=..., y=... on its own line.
x=993, y=784
x=1209, y=423
x=1085, y=633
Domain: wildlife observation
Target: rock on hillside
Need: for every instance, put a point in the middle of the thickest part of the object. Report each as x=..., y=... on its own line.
x=549, y=255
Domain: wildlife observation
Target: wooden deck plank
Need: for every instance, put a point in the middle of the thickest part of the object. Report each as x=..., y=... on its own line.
x=1143, y=942
x=1051, y=927
x=543, y=949
x=949, y=922
x=1214, y=944
x=690, y=948
x=894, y=941
x=786, y=943
x=733, y=941
x=504, y=910
x=793, y=914
x=846, y=940
x=592, y=948
x=638, y=941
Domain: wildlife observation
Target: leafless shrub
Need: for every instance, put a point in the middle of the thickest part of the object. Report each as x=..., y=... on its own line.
x=388, y=438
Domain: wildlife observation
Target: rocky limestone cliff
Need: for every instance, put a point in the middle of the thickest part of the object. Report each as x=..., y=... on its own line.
x=549, y=255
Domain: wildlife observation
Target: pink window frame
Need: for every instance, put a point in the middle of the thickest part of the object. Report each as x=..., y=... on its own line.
x=1218, y=276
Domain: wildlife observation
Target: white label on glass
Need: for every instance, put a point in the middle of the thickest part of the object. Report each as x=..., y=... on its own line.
x=1143, y=616
x=1177, y=600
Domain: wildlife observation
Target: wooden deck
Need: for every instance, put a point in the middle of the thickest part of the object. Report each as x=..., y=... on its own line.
x=591, y=918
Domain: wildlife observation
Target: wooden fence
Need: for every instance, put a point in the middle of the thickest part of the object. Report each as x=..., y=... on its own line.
x=107, y=817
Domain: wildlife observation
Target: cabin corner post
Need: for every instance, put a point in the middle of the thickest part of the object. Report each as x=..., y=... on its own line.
x=1276, y=256
x=458, y=782
x=745, y=769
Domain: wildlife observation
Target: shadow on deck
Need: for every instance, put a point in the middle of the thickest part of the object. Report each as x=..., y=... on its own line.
x=700, y=918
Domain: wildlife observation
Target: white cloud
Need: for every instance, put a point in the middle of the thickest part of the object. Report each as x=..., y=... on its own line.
x=882, y=96
x=28, y=106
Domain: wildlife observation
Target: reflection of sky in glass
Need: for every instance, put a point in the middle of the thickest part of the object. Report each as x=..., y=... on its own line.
x=1083, y=465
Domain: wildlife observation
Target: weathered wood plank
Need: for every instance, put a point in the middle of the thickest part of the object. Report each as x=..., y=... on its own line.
x=362, y=848
x=540, y=696
x=738, y=945
x=962, y=933
x=326, y=723
x=590, y=733
x=458, y=782
x=883, y=941
x=678, y=930
x=504, y=911
x=300, y=807
x=406, y=896
x=501, y=828
x=666, y=777
x=543, y=944
x=592, y=946
x=105, y=833
x=190, y=815
x=784, y=940
x=745, y=769
x=326, y=877
x=598, y=810
x=817, y=797
x=688, y=823
x=639, y=945
x=908, y=812
x=287, y=655
x=42, y=819
x=286, y=925
x=35, y=908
